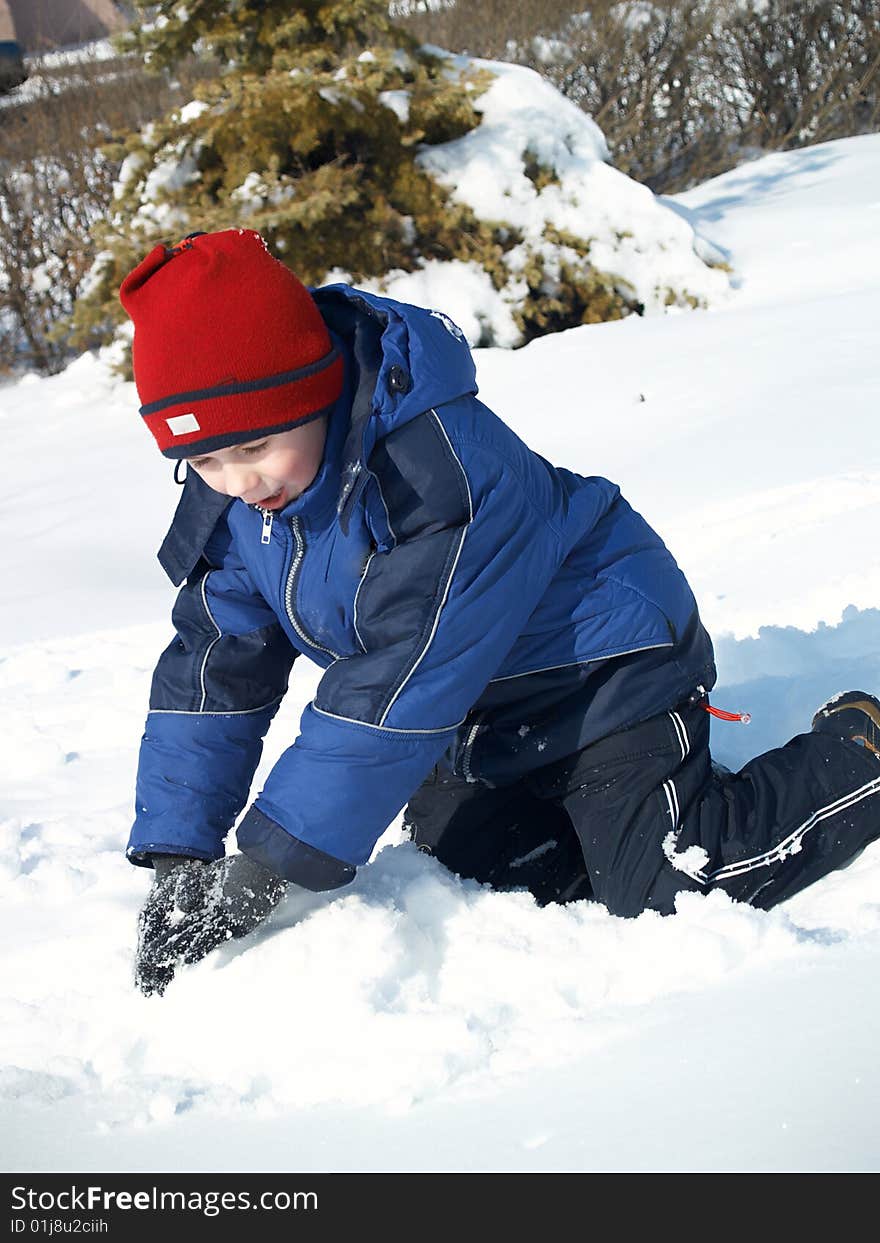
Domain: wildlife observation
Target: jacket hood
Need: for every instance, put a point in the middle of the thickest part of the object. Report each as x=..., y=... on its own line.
x=406, y=359
x=425, y=345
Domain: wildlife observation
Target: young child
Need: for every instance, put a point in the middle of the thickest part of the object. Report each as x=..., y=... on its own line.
x=509, y=649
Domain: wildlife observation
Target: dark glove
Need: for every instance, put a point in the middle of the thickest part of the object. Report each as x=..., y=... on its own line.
x=193, y=907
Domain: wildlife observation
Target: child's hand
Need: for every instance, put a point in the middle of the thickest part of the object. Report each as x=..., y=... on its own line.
x=193, y=907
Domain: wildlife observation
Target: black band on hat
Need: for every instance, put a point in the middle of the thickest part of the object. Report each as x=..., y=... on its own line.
x=225, y=440
x=245, y=386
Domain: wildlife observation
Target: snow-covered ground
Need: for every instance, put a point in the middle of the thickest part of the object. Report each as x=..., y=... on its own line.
x=416, y=1022
x=40, y=64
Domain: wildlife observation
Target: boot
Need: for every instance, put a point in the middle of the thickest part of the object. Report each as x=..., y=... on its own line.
x=853, y=715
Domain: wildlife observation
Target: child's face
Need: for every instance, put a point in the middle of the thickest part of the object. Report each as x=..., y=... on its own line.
x=269, y=471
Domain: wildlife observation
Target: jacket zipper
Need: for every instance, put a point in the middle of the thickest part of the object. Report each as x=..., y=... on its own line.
x=290, y=589
x=467, y=753
x=266, y=533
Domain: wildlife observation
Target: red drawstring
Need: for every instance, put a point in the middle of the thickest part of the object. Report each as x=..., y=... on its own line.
x=744, y=717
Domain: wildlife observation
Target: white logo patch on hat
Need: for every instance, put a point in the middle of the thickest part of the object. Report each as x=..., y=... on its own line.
x=183, y=423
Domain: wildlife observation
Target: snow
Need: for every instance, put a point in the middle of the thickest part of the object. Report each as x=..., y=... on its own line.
x=414, y=1021
x=165, y=177
x=649, y=249
x=192, y=111
x=465, y=289
x=37, y=85
x=398, y=102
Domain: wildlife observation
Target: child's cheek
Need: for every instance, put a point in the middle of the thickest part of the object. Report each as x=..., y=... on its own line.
x=296, y=468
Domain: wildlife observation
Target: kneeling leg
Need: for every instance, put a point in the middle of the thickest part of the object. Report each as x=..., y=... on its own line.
x=505, y=837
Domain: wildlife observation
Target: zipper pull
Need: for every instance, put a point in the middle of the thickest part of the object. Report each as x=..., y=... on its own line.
x=743, y=717
x=266, y=533
x=700, y=699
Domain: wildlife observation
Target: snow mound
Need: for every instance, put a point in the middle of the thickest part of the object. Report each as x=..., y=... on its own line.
x=537, y=164
x=410, y=986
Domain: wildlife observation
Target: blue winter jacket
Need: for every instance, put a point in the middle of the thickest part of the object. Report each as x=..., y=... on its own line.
x=468, y=602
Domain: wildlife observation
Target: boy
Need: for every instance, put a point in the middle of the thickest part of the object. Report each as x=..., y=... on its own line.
x=509, y=649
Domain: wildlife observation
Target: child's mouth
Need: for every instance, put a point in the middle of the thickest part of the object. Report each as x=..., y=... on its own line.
x=275, y=501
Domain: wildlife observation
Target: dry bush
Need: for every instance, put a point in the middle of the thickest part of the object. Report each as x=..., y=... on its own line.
x=492, y=28
x=685, y=89
x=55, y=183
x=810, y=71
x=644, y=75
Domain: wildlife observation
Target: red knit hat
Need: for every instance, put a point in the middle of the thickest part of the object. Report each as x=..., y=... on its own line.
x=228, y=344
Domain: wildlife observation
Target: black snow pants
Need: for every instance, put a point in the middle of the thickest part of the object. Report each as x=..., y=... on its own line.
x=641, y=815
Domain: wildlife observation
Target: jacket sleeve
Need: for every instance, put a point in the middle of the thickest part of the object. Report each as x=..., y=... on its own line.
x=474, y=543
x=215, y=690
